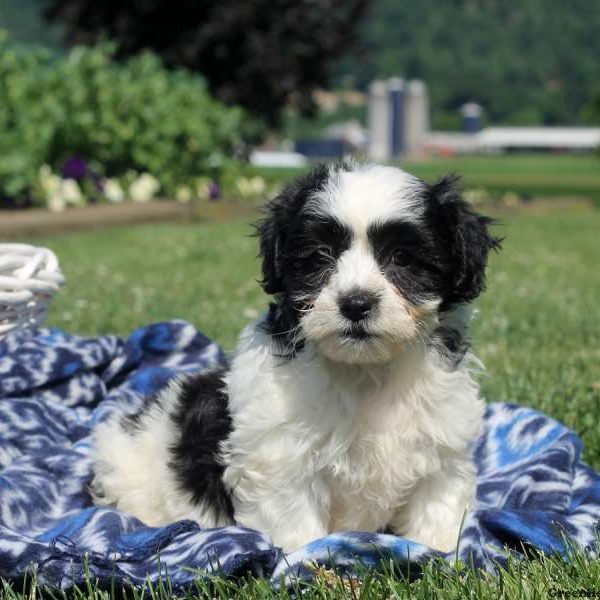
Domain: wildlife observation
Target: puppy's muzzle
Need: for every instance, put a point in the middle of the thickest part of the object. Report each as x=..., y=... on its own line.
x=357, y=305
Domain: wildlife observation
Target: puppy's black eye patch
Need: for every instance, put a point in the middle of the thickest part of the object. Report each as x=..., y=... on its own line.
x=321, y=237
x=408, y=257
x=397, y=243
x=315, y=242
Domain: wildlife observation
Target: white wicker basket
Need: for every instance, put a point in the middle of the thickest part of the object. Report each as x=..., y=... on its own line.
x=29, y=279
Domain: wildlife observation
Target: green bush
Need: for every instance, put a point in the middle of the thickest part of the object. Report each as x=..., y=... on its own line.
x=118, y=116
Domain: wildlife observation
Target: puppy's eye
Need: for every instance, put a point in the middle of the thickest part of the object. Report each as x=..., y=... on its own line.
x=315, y=252
x=401, y=257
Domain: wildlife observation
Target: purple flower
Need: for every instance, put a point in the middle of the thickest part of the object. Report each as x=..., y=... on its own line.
x=75, y=168
x=214, y=190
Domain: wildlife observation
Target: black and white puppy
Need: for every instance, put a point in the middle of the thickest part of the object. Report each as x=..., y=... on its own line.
x=351, y=404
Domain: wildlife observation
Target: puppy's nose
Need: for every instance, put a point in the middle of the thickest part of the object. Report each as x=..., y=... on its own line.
x=358, y=304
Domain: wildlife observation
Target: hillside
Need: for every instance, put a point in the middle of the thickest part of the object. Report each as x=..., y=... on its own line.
x=527, y=62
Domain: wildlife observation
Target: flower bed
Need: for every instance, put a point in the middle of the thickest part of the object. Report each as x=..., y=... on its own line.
x=84, y=128
x=78, y=185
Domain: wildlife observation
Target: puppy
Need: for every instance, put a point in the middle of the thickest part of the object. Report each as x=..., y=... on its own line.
x=351, y=404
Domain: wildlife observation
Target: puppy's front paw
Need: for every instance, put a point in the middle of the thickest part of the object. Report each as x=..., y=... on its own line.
x=441, y=538
x=445, y=540
x=436, y=536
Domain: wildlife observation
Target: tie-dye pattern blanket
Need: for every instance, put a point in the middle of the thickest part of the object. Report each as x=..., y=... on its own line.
x=533, y=488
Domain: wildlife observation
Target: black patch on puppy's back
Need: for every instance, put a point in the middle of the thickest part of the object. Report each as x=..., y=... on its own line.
x=202, y=420
x=132, y=423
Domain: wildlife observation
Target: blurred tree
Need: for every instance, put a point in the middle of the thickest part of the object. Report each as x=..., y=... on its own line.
x=532, y=61
x=259, y=54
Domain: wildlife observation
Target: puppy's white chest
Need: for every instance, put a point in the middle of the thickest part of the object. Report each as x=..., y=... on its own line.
x=335, y=450
x=375, y=474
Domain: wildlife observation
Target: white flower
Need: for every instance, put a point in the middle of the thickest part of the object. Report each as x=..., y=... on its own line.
x=244, y=186
x=71, y=193
x=113, y=191
x=144, y=188
x=59, y=192
x=249, y=187
x=258, y=185
x=55, y=202
x=183, y=194
x=203, y=188
x=49, y=182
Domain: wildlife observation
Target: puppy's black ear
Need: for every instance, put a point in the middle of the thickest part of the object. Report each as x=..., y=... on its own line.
x=281, y=217
x=466, y=237
x=270, y=232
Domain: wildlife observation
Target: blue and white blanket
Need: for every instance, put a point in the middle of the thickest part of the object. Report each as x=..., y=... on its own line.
x=533, y=488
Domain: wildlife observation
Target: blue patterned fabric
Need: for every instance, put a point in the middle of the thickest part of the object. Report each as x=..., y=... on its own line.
x=533, y=488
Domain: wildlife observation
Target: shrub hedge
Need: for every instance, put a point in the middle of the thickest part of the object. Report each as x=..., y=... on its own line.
x=118, y=116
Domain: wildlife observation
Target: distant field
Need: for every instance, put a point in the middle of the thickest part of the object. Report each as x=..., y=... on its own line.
x=532, y=175
x=528, y=175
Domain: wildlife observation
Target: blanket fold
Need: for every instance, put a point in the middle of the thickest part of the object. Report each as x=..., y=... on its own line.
x=533, y=489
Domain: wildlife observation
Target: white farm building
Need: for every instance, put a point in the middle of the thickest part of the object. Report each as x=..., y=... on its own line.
x=505, y=139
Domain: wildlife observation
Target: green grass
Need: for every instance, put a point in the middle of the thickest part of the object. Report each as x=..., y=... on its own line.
x=538, y=331
x=528, y=175
x=576, y=577
x=120, y=279
x=524, y=174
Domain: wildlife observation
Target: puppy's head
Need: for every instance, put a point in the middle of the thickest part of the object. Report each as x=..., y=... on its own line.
x=362, y=258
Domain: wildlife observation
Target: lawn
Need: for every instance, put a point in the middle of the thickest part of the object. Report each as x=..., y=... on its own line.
x=538, y=332
x=528, y=175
